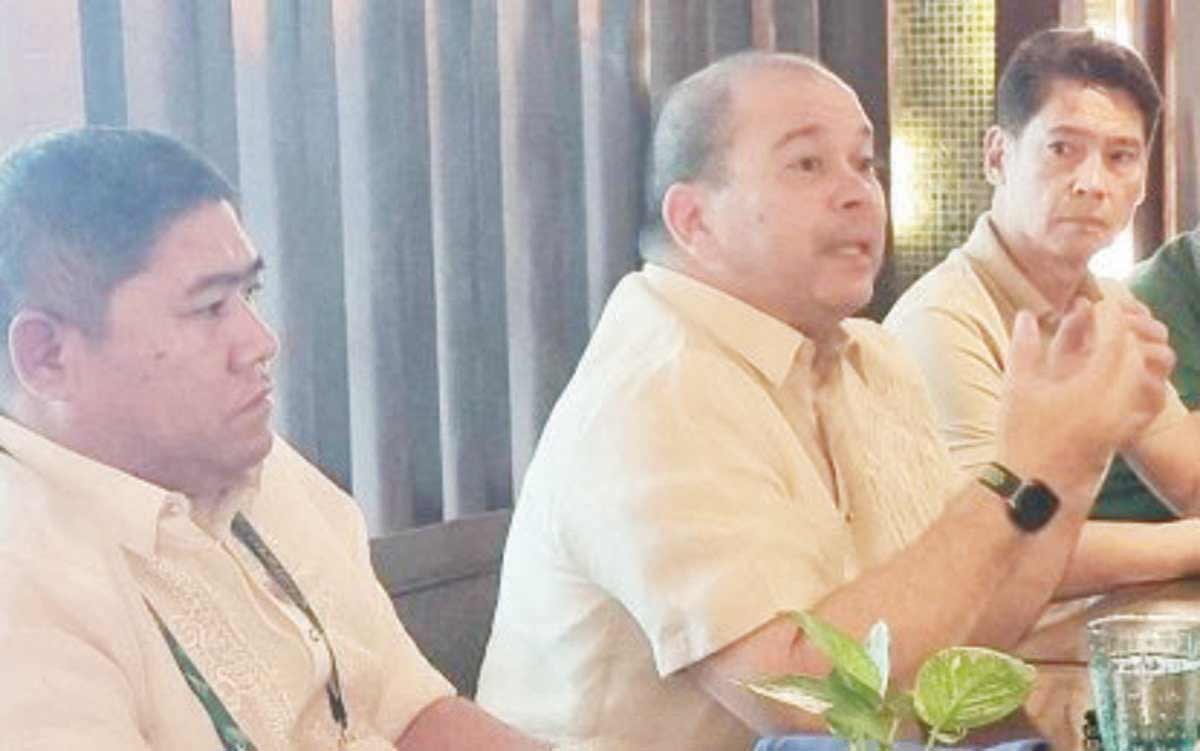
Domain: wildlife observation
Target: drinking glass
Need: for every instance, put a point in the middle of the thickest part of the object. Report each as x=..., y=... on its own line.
x=1145, y=672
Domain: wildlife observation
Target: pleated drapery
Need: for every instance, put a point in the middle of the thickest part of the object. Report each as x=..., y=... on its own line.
x=444, y=191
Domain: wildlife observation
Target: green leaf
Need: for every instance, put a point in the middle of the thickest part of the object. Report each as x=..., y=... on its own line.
x=878, y=645
x=857, y=711
x=801, y=691
x=846, y=688
x=961, y=688
x=844, y=652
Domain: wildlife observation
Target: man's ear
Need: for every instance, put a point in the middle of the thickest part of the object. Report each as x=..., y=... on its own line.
x=996, y=143
x=36, y=343
x=683, y=215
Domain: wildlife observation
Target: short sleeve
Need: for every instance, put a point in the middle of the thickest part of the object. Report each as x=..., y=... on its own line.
x=963, y=370
x=696, y=514
x=1168, y=283
x=63, y=688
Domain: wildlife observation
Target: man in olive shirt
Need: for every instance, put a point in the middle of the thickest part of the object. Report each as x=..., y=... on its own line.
x=1169, y=284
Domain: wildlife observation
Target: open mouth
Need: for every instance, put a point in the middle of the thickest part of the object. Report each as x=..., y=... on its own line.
x=855, y=250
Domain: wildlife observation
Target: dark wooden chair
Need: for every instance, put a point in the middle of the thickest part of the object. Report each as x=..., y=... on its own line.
x=443, y=580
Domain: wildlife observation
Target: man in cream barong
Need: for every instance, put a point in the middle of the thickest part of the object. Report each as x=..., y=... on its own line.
x=733, y=444
x=173, y=576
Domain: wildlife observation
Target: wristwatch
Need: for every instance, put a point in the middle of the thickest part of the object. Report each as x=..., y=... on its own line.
x=1031, y=504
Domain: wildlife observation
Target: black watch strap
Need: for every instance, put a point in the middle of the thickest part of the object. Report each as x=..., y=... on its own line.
x=1031, y=504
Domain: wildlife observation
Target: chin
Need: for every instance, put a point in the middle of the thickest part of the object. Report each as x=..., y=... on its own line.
x=263, y=447
x=858, y=301
x=1081, y=249
x=246, y=457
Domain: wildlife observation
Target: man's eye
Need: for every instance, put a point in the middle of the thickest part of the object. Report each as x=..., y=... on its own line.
x=1058, y=148
x=871, y=165
x=214, y=310
x=1124, y=156
x=805, y=164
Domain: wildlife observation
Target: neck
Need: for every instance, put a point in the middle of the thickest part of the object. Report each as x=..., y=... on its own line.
x=822, y=328
x=1058, y=279
x=201, y=485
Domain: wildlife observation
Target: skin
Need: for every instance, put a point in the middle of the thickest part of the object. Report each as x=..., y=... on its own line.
x=1065, y=186
x=1068, y=183
x=796, y=230
x=177, y=391
x=800, y=201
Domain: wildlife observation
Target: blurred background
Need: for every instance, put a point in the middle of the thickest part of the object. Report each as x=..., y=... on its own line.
x=445, y=191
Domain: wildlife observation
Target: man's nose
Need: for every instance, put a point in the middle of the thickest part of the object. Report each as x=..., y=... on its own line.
x=857, y=190
x=257, y=343
x=1089, y=176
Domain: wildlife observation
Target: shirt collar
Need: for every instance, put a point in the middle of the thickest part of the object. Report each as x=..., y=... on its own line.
x=771, y=346
x=129, y=508
x=1009, y=285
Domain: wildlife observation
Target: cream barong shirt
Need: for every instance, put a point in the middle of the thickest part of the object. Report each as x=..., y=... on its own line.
x=82, y=663
x=703, y=470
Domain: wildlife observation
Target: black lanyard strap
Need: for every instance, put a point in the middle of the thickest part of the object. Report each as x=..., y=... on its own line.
x=231, y=735
x=248, y=536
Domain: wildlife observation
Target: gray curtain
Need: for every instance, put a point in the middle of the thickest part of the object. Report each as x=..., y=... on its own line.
x=445, y=192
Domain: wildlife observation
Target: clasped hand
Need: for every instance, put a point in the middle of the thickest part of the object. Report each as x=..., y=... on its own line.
x=1072, y=399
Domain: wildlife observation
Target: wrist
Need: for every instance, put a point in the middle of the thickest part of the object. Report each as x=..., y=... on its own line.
x=1074, y=476
x=1031, y=504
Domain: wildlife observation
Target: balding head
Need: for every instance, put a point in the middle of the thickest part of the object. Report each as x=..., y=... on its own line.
x=694, y=129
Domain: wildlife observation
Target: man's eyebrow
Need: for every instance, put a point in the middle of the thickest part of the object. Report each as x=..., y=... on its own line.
x=808, y=131
x=1071, y=130
x=228, y=278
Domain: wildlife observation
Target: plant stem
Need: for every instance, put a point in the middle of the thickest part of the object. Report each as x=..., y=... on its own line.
x=932, y=735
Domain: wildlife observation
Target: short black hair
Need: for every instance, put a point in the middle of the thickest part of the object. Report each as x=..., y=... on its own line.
x=80, y=211
x=693, y=130
x=1073, y=55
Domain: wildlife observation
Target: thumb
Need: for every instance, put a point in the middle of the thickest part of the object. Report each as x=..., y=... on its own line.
x=1025, y=353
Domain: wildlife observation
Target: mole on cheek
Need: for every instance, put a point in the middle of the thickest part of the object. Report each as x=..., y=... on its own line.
x=160, y=355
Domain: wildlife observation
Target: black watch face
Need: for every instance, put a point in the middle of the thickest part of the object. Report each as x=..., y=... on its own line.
x=1032, y=506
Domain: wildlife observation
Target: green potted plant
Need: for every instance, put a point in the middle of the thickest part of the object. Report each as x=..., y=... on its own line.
x=956, y=690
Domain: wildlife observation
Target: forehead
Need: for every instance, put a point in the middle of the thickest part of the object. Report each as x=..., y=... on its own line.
x=202, y=241
x=1090, y=107
x=772, y=103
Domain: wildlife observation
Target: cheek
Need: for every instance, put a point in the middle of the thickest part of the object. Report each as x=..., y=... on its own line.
x=153, y=364
x=171, y=371
x=1135, y=192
